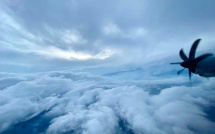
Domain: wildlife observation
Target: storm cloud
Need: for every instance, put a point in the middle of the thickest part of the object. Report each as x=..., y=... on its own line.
x=64, y=102
x=82, y=34
x=92, y=67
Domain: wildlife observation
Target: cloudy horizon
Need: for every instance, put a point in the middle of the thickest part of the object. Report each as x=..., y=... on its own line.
x=48, y=36
x=92, y=67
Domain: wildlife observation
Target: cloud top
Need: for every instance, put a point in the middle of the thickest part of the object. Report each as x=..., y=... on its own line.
x=64, y=102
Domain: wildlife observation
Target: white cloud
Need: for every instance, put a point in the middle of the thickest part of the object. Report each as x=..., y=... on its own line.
x=72, y=37
x=68, y=36
x=11, y=26
x=54, y=52
x=135, y=28
x=81, y=103
x=27, y=43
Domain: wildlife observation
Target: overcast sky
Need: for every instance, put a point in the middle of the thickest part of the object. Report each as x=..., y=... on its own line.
x=125, y=46
x=56, y=35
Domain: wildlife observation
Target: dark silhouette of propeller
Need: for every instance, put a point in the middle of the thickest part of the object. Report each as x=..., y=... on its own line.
x=191, y=62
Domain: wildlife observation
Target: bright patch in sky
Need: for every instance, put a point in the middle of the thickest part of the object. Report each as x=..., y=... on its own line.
x=54, y=52
x=102, y=67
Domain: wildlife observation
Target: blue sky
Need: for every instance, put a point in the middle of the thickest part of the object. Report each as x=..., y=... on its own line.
x=60, y=35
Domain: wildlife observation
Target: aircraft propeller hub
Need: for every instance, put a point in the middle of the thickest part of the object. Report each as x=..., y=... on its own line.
x=185, y=64
x=188, y=64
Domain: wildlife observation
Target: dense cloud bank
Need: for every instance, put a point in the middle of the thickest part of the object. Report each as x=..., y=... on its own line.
x=71, y=34
x=63, y=102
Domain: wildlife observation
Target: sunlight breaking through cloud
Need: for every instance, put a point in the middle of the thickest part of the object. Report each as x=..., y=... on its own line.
x=54, y=52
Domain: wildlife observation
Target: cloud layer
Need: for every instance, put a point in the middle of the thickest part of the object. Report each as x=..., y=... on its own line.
x=64, y=102
x=91, y=33
x=125, y=39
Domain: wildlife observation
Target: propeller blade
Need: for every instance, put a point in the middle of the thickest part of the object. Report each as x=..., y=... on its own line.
x=180, y=71
x=189, y=74
x=182, y=55
x=199, y=58
x=193, y=49
x=176, y=63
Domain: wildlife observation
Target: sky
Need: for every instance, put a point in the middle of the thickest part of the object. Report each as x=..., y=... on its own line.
x=38, y=36
x=102, y=66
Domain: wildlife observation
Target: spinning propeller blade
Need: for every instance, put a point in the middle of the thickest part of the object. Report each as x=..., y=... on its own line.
x=180, y=71
x=193, y=49
x=182, y=55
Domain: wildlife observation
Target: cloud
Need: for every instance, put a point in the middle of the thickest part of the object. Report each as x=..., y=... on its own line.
x=71, y=37
x=65, y=102
x=111, y=29
x=139, y=32
x=137, y=39
x=54, y=52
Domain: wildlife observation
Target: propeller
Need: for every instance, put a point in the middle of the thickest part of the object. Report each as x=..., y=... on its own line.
x=191, y=62
x=180, y=71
